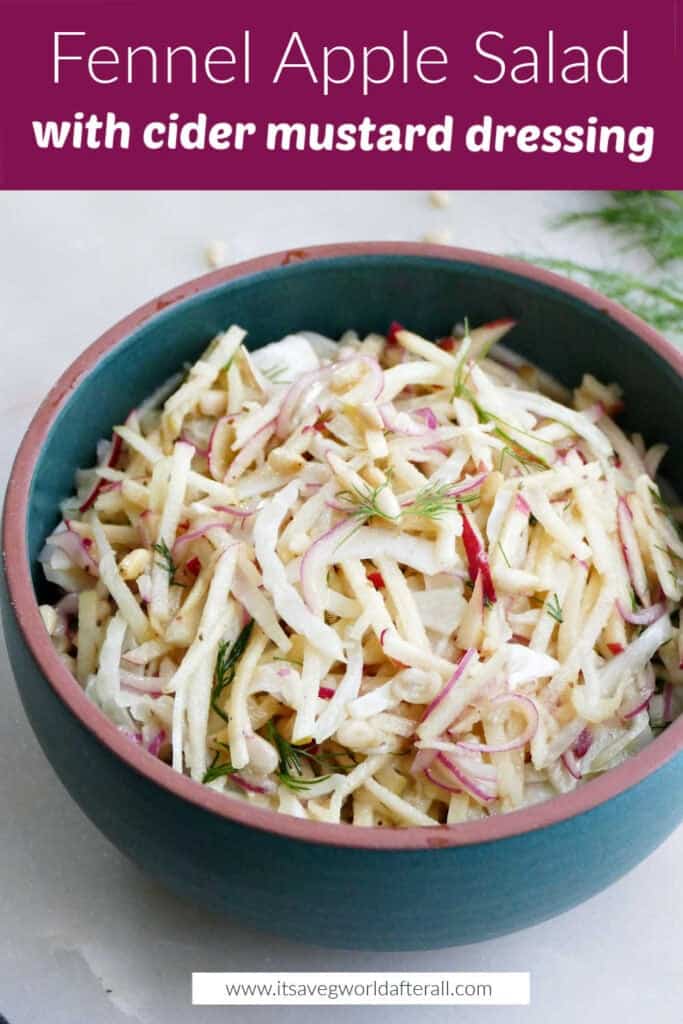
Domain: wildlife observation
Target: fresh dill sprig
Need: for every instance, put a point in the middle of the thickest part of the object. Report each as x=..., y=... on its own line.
x=433, y=500
x=226, y=665
x=166, y=562
x=554, y=609
x=293, y=756
x=502, y=430
x=363, y=503
x=521, y=455
x=216, y=771
x=652, y=219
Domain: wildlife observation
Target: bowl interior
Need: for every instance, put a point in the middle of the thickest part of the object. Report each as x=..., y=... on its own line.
x=556, y=330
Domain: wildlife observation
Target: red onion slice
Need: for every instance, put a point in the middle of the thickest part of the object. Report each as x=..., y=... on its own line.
x=441, y=696
x=219, y=447
x=570, y=763
x=468, y=485
x=142, y=684
x=467, y=783
x=238, y=513
x=428, y=416
x=402, y=423
x=370, y=387
x=644, y=617
x=263, y=786
x=250, y=452
x=187, y=538
x=294, y=398
x=429, y=774
x=530, y=712
x=422, y=760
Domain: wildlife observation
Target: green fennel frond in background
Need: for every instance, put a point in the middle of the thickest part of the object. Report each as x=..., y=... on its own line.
x=651, y=221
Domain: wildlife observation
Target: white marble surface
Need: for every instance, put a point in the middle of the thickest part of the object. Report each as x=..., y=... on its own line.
x=85, y=937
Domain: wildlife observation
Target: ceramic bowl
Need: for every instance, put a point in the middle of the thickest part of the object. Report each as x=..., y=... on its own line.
x=335, y=884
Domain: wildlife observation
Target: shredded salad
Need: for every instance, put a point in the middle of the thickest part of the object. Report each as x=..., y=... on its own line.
x=385, y=581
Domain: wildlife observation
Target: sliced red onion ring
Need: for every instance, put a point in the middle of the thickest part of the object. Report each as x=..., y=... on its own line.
x=428, y=416
x=294, y=398
x=422, y=760
x=232, y=510
x=250, y=452
x=370, y=387
x=643, y=701
x=469, y=485
x=401, y=422
x=522, y=505
x=429, y=774
x=218, y=449
x=201, y=531
x=143, y=684
x=264, y=786
x=441, y=696
x=337, y=506
x=644, y=617
x=530, y=712
x=570, y=763
x=467, y=783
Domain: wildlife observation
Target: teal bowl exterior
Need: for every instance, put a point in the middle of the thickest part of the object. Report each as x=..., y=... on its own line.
x=332, y=884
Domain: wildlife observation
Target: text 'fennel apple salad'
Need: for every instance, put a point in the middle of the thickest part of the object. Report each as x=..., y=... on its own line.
x=382, y=581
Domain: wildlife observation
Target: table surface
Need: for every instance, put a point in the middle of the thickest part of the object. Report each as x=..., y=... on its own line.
x=85, y=936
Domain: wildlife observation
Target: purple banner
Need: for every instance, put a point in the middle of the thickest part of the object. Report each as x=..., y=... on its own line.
x=309, y=95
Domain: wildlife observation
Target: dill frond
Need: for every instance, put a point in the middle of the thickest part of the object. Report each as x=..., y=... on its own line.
x=363, y=503
x=226, y=666
x=216, y=771
x=433, y=500
x=554, y=609
x=652, y=219
x=292, y=757
x=166, y=562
